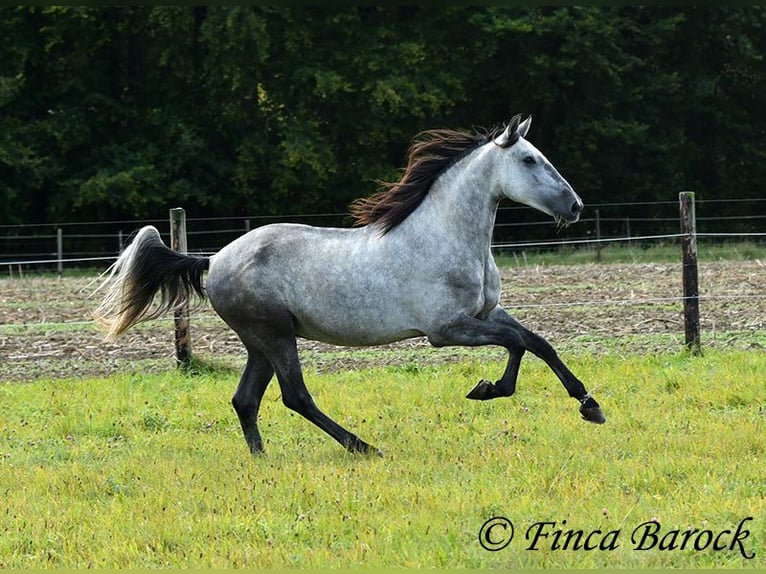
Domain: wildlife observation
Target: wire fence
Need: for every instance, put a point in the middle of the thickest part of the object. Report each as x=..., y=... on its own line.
x=53, y=246
x=735, y=304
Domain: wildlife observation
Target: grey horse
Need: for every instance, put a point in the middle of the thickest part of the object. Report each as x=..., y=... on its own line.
x=418, y=263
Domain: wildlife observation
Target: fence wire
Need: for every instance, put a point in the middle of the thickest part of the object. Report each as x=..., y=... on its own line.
x=495, y=246
x=590, y=241
x=91, y=242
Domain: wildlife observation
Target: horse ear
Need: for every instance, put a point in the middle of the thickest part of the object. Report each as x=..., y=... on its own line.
x=524, y=126
x=511, y=133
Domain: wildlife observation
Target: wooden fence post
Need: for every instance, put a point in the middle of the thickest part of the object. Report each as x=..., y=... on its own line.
x=181, y=316
x=60, y=251
x=690, y=276
x=598, y=236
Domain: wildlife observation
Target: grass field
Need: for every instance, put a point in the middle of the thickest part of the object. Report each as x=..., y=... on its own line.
x=151, y=470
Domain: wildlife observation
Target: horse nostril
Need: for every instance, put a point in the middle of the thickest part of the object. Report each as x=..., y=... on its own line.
x=576, y=207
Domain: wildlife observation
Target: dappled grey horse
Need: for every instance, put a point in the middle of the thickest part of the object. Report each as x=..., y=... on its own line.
x=418, y=264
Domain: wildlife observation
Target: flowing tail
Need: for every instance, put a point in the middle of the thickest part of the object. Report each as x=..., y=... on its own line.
x=145, y=268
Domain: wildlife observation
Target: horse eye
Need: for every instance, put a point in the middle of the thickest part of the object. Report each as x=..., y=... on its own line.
x=529, y=160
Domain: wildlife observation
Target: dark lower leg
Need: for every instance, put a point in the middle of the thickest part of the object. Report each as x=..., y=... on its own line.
x=247, y=399
x=589, y=408
x=506, y=386
x=296, y=397
x=542, y=349
x=499, y=328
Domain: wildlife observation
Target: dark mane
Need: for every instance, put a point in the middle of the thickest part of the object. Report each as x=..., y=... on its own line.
x=431, y=153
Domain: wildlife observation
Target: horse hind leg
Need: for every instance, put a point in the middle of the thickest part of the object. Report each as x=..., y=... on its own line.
x=247, y=399
x=296, y=397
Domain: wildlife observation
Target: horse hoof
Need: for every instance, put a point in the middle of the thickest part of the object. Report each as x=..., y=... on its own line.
x=591, y=411
x=593, y=414
x=371, y=452
x=482, y=391
x=360, y=447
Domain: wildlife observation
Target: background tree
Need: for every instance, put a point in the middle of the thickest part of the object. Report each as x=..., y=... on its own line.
x=111, y=113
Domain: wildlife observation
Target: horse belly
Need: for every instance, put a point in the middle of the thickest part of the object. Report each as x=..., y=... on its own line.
x=352, y=337
x=353, y=325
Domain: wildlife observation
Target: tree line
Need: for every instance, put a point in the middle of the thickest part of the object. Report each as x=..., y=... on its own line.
x=113, y=113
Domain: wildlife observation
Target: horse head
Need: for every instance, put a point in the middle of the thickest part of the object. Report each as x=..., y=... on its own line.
x=526, y=176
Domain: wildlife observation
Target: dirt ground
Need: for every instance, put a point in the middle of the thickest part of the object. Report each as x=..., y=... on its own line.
x=46, y=329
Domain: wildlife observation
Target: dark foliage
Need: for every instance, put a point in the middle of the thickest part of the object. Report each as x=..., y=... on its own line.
x=113, y=113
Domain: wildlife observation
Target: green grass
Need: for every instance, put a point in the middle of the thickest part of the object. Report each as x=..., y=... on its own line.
x=152, y=471
x=626, y=253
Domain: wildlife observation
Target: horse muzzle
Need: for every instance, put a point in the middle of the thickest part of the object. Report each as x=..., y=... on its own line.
x=575, y=210
x=568, y=208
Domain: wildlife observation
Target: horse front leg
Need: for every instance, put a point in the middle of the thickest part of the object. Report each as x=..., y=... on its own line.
x=469, y=331
x=506, y=386
x=499, y=328
x=537, y=345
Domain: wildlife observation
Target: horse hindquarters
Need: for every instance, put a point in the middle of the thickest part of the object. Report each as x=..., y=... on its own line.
x=266, y=327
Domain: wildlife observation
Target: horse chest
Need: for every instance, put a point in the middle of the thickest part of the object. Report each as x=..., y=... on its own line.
x=477, y=289
x=491, y=287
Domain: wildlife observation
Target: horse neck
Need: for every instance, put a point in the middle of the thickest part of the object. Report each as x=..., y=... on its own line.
x=463, y=202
